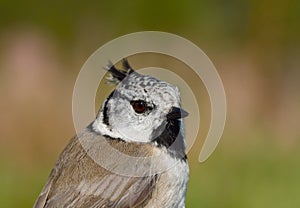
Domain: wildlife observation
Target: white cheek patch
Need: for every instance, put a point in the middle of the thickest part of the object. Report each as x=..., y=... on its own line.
x=135, y=136
x=134, y=129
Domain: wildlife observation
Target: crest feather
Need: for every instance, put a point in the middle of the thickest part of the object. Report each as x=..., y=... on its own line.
x=117, y=75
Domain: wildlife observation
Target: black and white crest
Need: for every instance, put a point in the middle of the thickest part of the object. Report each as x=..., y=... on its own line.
x=117, y=75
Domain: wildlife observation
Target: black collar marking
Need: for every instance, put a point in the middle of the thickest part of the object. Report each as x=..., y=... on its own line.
x=105, y=109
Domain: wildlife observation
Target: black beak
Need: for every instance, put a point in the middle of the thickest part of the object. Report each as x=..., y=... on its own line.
x=176, y=113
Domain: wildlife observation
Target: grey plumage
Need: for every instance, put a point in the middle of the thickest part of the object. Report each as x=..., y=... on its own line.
x=88, y=174
x=73, y=180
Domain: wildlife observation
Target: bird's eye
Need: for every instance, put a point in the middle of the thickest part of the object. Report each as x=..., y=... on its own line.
x=139, y=106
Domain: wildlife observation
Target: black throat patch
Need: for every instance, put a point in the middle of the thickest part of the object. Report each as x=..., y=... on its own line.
x=172, y=139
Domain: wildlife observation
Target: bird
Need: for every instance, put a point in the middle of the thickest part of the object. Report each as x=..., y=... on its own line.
x=142, y=118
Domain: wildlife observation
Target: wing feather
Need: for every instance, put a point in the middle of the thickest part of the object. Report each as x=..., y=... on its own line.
x=77, y=181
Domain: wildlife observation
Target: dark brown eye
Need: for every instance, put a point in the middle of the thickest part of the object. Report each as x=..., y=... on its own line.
x=139, y=106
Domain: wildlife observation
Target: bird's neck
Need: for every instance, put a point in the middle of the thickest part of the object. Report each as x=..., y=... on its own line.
x=173, y=139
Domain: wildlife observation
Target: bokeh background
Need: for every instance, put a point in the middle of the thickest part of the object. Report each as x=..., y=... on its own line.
x=255, y=45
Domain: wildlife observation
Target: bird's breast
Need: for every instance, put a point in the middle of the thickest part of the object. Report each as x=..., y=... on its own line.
x=170, y=189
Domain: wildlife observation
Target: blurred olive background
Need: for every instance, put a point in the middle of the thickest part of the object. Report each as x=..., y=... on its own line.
x=255, y=46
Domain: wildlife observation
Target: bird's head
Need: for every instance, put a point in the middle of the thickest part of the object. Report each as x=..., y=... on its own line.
x=140, y=108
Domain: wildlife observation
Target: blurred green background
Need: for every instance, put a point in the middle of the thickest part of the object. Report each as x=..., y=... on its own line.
x=255, y=45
